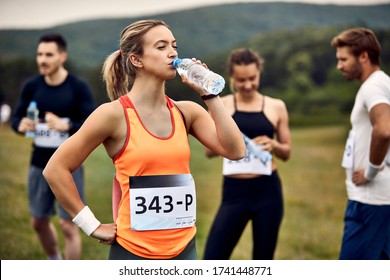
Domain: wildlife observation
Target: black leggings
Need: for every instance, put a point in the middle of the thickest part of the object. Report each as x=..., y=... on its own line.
x=257, y=199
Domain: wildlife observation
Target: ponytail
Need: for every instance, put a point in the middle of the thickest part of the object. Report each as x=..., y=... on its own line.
x=114, y=76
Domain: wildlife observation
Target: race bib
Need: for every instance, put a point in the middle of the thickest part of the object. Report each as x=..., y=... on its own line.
x=256, y=161
x=162, y=202
x=250, y=164
x=48, y=138
x=348, y=151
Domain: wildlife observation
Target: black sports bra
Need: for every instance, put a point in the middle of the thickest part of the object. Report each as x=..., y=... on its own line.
x=253, y=124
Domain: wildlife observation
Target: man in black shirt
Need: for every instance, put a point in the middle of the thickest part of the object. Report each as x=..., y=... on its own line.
x=64, y=102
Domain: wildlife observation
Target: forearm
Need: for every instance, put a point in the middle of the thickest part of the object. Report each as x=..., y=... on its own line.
x=63, y=186
x=380, y=142
x=228, y=134
x=281, y=150
x=378, y=150
x=380, y=135
x=65, y=190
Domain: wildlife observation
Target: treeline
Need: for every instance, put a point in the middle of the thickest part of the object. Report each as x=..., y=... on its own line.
x=200, y=31
x=300, y=68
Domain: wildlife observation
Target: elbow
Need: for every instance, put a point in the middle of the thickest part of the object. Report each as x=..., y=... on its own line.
x=284, y=151
x=242, y=153
x=386, y=135
x=209, y=154
x=47, y=172
x=382, y=133
x=287, y=156
x=239, y=154
x=234, y=151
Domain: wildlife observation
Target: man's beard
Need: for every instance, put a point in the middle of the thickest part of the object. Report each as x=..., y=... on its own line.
x=355, y=73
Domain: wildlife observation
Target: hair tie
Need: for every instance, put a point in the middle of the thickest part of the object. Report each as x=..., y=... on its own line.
x=120, y=52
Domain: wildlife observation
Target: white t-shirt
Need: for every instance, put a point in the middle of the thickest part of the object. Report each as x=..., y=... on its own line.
x=375, y=90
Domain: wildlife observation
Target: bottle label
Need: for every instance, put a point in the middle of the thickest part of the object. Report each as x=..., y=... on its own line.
x=48, y=138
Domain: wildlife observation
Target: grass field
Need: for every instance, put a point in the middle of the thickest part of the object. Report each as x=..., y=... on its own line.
x=313, y=185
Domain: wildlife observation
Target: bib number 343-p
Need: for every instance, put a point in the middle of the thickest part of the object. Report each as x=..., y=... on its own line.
x=162, y=202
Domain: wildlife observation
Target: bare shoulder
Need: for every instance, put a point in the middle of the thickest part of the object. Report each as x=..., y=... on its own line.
x=186, y=105
x=188, y=108
x=275, y=103
x=107, y=115
x=108, y=112
x=108, y=126
x=113, y=108
x=276, y=110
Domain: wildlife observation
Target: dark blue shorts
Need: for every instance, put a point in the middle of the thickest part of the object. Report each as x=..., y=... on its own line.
x=366, y=232
x=42, y=199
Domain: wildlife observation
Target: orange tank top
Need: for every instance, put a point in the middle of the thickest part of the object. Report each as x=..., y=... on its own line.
x=145, y=154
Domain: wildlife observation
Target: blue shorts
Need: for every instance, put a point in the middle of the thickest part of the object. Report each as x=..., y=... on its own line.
x=41, y=198
x=366, y=232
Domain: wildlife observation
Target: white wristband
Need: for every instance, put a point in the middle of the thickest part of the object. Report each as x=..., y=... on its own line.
x=371, y=171
x=86, y=220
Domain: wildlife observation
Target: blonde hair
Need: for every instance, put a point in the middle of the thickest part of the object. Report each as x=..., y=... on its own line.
x=118, y=72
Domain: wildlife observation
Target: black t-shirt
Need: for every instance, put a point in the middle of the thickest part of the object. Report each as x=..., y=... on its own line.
x=72, y=99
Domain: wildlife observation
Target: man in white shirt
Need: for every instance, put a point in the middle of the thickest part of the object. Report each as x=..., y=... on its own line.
x=367, y=217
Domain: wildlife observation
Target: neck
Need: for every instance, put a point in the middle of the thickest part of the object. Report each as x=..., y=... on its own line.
x=368, y=73
x=248, y=98
x=147, y=93
x=57, y=77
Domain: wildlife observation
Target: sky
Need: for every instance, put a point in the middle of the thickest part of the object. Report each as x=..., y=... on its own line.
x=32, y=14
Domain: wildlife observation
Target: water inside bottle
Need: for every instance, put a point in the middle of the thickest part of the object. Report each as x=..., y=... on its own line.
x=215, y=84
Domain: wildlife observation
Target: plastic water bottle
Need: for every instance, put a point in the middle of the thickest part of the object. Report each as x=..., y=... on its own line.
x=32, y=114
x=257, y=150
x=198, y=74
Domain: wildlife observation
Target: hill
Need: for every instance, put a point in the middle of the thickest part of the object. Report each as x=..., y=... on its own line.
x=200, y=32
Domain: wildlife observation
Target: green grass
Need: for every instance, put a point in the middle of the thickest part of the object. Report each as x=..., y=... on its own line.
x=313, y=186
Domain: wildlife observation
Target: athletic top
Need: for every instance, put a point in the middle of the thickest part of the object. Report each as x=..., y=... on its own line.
x=253, y=124
x=375, y=90
x=145, y=155
x=72, y=99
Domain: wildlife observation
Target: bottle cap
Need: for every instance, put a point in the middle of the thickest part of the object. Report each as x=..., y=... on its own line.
x=176, y=62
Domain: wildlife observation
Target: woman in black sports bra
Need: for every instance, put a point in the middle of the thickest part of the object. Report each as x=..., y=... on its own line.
x=252, y=189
